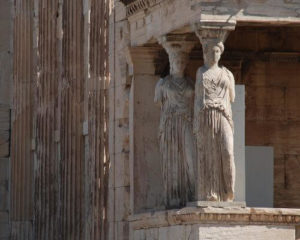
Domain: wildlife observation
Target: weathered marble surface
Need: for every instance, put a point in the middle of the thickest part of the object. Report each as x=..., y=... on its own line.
x=216, y=223
x=177, y=15
x=216, y=232
x=175, y=94
x=167, y=17
x=216, y=204
x=193, y=215
x=213, y=124
x=6, y=80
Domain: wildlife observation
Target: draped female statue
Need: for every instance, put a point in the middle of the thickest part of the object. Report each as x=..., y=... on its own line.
x=175, y=93
x=213, y=126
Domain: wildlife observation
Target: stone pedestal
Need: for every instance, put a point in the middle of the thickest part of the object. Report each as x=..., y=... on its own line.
x=204, y=204
x=226, y=223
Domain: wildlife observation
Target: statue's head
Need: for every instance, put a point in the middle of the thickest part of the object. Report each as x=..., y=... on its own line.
x=212, y=51
x=178, y=48
x=178, y=61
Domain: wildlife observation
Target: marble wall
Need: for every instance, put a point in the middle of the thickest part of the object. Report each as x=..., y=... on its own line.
x=5, y=106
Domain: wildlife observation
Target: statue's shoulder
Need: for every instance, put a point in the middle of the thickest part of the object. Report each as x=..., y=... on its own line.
x=201, y=70
x=159, y=89
x=162, y=81
x=228, y=72
x=199, y=74
x=166, y=79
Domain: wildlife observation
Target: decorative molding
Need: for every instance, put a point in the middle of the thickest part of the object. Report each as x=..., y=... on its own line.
x=177, y=43
x=140, y=5
x=228, y=215
x=210, y=27
x=186, y=37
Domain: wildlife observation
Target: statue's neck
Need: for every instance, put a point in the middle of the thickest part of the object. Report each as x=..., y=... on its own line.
x=212, y=66
x=177, y=75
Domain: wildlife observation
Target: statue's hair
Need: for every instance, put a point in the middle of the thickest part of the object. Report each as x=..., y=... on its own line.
x=213, y=43
x=179, y=53
x=176, y=49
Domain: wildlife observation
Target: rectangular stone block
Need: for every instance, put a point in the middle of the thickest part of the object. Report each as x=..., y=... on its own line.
x=242, y=232
x=4, y=230
x=297, y=233
x=4, y=148
x=147, y=180
x=4, y=117
x=4, y=178
x=4, y=217
x=120, y=11
x=121, y=136
x=292, y=103
x=151, y=234
x=111, y=230
x=4, y=171
x=22, y=228
x=111, y=205
x=121, y=35
x=121, y=203
x=121, y=99
x=3, y=198
x=176, y=232
x=122, y=171
x=139, y=235
x=216, y=232
x=122, y=230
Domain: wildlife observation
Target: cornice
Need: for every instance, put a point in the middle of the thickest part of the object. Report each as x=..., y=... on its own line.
x=140, y=5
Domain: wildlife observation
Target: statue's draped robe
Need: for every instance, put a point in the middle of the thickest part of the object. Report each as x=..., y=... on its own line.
x=177, y=145
x=213, y=127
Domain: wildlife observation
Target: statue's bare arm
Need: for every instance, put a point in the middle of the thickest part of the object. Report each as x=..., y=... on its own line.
x=232, y=87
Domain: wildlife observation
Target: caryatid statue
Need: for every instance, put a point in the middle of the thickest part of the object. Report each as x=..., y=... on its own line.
x=213, y=125
x=175, y=93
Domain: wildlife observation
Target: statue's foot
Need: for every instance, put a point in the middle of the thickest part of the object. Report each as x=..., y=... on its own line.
x=212, y=197
x=229, y=197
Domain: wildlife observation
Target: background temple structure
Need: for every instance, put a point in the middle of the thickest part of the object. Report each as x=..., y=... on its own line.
x=79, y=153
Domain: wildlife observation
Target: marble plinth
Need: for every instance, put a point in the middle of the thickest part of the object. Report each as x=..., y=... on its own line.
x=216, y=204
x=214, y=223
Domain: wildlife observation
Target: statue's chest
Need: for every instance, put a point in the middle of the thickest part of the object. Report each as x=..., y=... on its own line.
x=215, y=83
x=175, y=91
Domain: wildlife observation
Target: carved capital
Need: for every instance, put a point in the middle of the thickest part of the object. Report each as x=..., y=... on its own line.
x=178, y=46
x=177, y=43
x=213, y=29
